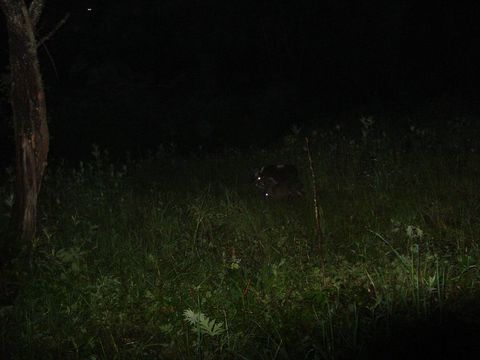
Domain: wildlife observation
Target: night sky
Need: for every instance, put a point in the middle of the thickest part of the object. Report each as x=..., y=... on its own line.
x=131, y=75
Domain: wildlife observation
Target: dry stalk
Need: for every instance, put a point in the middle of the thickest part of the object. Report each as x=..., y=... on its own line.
x=319, y=241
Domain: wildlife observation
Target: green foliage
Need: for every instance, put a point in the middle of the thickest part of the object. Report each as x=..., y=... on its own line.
x=124, y=249
x=202, y=324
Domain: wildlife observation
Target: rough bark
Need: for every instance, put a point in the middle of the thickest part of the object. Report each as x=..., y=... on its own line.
x=27, y=99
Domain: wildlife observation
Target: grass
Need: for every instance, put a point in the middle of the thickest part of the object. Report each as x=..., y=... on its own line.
x=180, y=258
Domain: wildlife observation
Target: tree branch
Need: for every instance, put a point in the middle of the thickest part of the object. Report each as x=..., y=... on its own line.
x=35, y=9
x=54, y=30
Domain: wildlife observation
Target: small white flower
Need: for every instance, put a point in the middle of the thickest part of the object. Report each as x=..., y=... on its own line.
x=414, y=232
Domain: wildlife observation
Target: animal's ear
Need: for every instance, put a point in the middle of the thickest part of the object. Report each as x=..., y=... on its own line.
x=256, y=176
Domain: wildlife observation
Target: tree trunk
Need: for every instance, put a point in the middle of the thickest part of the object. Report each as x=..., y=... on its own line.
x=29, y=118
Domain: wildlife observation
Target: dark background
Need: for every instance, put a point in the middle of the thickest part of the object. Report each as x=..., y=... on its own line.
x=131, y=75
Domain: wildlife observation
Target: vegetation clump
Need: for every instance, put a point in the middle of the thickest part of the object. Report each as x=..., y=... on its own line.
x=180, y=258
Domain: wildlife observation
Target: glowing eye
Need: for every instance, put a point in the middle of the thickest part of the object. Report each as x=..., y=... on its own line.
x=89, y=9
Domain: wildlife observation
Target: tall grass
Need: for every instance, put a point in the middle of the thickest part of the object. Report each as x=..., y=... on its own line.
x=180, y=258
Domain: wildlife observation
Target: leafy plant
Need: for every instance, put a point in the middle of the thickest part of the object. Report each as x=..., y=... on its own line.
x=202, y=324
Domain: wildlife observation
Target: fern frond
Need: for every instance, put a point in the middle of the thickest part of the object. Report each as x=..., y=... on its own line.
x=202, y=324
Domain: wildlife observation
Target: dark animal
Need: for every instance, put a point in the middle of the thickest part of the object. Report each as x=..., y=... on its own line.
x=278, y=181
